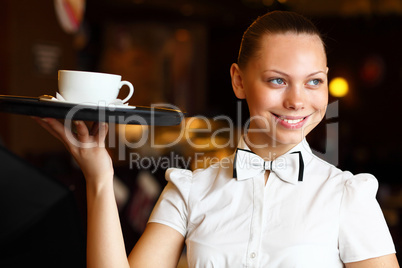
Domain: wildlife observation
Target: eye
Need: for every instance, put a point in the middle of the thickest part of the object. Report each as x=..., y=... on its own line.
x=314, y=82
x=277, y=81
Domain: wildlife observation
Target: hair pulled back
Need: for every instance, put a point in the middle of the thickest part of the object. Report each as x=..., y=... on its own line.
x=275, y=22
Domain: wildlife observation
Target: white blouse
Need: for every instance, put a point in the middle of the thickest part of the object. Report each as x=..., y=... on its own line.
x=330, y=218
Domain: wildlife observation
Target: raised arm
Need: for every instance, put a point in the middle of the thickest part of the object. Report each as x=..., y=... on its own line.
x=159, y=246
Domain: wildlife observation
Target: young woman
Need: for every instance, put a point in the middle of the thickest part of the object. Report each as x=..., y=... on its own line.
x=271, y=204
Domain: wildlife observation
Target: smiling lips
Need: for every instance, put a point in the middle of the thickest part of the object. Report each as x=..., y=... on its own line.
x=291, y=121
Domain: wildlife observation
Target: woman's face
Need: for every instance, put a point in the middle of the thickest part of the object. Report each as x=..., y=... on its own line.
x=285, y=85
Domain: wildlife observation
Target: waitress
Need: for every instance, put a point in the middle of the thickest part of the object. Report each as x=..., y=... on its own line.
x=275, y=204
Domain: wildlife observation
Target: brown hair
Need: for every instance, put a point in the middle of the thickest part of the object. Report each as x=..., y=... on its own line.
x=276, y=22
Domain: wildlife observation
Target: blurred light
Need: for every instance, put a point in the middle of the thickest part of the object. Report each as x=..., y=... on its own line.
x=182, y=35
x=373, y=69
x=338, y=87
x=282, y=1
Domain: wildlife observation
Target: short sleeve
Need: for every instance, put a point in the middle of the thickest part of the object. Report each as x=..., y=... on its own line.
x=363, y=231
x=171, y=208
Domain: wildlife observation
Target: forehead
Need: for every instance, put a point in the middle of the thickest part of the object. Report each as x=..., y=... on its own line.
x=290, y=50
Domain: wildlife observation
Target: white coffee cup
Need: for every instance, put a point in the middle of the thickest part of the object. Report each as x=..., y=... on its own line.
x=91, y=87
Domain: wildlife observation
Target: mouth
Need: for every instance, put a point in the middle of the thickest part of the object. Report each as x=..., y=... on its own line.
x=291, y=121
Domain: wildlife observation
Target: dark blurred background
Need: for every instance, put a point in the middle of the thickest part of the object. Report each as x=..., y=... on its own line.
x=180, y=52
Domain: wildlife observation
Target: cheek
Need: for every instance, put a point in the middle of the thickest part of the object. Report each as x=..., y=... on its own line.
x=259, y=98
x=320, y=102
x=261, y=104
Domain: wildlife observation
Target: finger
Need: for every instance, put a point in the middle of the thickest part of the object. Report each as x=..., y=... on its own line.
x=102, y=132
x=94, y=129
x=99, y=131
x=82, y=131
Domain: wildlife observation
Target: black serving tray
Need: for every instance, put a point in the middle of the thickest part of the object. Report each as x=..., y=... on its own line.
x=139, y=115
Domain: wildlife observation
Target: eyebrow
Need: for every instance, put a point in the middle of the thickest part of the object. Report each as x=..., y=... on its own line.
x=285, y=74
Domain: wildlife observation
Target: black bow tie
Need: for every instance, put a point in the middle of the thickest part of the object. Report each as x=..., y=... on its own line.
x=288, y=167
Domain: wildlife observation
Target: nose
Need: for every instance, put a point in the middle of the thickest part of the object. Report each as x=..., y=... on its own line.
x=294, y=98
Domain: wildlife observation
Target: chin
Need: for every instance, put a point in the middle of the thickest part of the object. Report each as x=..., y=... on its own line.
x=288, y=138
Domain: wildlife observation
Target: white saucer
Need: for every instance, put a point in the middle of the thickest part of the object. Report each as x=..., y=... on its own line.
x=110, y=106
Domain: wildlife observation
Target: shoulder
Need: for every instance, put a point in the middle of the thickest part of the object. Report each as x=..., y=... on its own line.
x=179, y=178
x=217, y=171
x=330, y=173
x=178, y=174
x=355, y=189
x=360, y=187
x=318, y=169
x=201, y=178
x=360, y=180
x=222, y=168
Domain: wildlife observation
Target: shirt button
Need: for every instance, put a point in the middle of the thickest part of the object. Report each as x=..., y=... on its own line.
x=253, y=255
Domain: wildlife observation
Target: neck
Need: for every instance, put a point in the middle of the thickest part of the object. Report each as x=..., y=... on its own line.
x=266, y=147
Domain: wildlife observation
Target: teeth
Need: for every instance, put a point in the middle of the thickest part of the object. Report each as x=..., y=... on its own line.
x=290, y=121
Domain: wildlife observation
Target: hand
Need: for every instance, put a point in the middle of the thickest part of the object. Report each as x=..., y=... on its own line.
x=86, y=146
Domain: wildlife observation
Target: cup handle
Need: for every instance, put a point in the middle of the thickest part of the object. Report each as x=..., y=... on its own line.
x=130, y=94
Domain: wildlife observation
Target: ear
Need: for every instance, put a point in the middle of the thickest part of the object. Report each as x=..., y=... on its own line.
x=237, y=81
